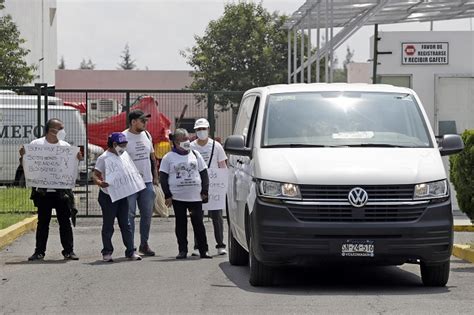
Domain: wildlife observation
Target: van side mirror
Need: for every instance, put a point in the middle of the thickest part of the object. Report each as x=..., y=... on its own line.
x=450, y=144
x=235, y=144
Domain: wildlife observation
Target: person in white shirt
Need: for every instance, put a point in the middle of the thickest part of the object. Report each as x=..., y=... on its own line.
x=116, y=143
x=185, y=183
x=47, y=199
x=140, y=149
x=213, y=154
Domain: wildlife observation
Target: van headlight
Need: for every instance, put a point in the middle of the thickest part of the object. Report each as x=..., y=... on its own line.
x=432, y=190
x=279, y=190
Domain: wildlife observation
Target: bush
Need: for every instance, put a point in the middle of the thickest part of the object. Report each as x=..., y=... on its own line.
x=462, y=174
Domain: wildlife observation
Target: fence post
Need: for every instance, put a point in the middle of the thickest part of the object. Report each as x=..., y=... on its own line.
x=86, y=151
x=210, y=114
x=38, y=117
x=127, y=108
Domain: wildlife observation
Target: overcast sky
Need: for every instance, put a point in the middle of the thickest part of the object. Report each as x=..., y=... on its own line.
x=156, y=30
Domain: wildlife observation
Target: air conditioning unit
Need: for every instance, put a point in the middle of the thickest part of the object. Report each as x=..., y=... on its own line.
x=100, y=109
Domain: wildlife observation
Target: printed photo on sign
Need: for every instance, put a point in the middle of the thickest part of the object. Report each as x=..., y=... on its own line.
x=50, y=166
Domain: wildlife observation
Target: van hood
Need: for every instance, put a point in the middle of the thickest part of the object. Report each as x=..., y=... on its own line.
x=349, y=166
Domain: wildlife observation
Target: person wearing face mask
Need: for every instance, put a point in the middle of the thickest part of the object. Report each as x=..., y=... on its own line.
x=47, y=199
x=116, y=143
x=213, y=154
x=185, y=183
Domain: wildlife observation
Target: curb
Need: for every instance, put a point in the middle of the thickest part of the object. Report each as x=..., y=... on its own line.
x=11, y=233
x=464, y=228
x=465, y=252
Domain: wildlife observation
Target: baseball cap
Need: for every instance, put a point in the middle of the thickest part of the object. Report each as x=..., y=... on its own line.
x=117, y=137
x=137, y=114
x=201, y=123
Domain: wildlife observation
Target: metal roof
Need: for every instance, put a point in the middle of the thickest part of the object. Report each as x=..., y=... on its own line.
x=389, y=12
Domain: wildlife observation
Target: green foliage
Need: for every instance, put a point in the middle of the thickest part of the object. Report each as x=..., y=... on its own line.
x=127, y=62
x=87, y=65
x=14, y=70
x=15, y=200
x=62, y=64
x=462, y=174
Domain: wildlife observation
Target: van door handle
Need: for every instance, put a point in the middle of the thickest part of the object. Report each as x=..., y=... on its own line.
x=240, y=162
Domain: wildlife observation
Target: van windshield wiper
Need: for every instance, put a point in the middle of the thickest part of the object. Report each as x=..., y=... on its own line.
x=377, y=145
x=295, y=145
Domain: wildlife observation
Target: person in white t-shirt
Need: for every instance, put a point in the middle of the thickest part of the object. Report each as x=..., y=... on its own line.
x=47, y=199
x=213, y=154
x=140, y=149
x=185, y=183
x=116, y=143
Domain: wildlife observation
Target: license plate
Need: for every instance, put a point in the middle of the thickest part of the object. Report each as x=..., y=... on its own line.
x=358, y=248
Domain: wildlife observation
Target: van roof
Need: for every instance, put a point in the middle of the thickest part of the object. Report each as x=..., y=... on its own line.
x=317, y=87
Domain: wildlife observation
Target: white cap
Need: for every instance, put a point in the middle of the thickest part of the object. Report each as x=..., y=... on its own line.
x=201, y=123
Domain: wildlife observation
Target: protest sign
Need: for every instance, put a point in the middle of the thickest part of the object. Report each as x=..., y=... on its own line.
x=218, y=179
x=122, y=176
x=50, y=166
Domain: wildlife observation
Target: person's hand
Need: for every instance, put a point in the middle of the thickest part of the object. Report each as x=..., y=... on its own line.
x=204, y=197
x=168, y=202
x=156, y=181
x=79, y=156
x=102, y=184
x=22, y=151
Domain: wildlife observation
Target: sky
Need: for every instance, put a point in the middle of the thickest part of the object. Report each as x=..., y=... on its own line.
x=157, y=30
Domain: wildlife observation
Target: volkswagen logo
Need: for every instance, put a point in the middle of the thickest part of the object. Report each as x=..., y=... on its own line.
x=358, y=197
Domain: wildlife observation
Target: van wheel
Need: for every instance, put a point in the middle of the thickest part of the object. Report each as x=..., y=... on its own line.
x=237, y=254
x=435, y=275
x=260, y=275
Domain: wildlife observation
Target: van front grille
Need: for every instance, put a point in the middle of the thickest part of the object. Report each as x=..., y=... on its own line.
x=375, y=192
x=347, y=213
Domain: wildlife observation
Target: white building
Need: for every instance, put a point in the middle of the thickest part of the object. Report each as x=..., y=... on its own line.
x=36, y=21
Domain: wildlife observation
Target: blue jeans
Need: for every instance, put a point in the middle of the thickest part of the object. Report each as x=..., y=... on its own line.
x=145, y=199
x=110, y=210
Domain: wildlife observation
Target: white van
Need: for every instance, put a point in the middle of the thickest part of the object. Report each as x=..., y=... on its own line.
x=347, y=173
x=19, y=125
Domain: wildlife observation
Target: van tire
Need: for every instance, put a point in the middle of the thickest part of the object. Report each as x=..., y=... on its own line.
x=238, y=256
x=435, y=275
x=260, y=274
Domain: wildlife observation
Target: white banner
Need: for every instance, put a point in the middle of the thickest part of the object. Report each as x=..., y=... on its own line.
x=122, y=176
x=433, y=53
x=218, y=182
x=50, y=166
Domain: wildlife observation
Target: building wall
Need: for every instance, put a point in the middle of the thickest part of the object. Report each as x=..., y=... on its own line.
x=359, y=72
x=36, y=21
x=461, y=61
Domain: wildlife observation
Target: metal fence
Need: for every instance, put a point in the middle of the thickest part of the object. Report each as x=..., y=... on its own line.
x=88, y=115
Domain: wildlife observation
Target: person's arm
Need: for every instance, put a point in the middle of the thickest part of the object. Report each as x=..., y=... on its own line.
x=154, y=168
x=98, y=179
x=204, y=182
x=222, y=164
x=166, y=188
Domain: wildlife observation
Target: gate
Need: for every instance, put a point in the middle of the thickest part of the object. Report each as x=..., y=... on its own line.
x=25, y=111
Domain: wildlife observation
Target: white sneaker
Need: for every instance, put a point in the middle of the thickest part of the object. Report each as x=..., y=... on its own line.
x=107, y=258
x=196, y=253
x=135, y=256
x=221, y=251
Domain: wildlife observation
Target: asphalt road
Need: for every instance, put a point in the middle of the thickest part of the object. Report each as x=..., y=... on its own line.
x=163, y=285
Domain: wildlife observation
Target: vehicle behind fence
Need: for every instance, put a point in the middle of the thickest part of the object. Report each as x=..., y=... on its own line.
x=89, y=116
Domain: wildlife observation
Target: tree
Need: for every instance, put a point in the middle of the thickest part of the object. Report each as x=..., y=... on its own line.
x=62, y=64
x=87, y=65
x=14, y=70
x=127, y=62
x=348, y=60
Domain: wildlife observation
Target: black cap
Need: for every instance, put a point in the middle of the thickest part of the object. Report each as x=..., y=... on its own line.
x=137, y=114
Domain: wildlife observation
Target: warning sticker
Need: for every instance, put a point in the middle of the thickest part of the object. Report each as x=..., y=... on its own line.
x=429, y=53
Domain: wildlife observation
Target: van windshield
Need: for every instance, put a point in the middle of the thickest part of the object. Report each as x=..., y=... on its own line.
x=344, y=119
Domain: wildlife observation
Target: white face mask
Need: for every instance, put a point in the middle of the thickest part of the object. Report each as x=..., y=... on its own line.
x=61, y=135
x=186, y=145
x=119, y=150
x=202, y=134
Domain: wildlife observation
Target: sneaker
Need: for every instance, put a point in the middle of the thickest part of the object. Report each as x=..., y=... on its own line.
x=195, y=253
x=134, y=256
x=206, y=255
x=182, y=255
x=107, y=258
x=146, y=250
x=36, y=256
x=70, y=256
x=221, y=251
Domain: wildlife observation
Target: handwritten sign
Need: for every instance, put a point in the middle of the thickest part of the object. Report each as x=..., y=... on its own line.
x=122, y=176
x=50, y=166
x=218, y=182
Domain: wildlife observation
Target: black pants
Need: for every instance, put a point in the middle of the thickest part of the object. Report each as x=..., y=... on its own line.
x=45, y=206
x=218, y=224
x=181, y=228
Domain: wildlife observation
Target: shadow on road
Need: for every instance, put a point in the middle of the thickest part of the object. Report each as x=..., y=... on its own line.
x=335, y=280
x=38, y=262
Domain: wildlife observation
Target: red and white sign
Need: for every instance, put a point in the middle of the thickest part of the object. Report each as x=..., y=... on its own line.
x=428, y=53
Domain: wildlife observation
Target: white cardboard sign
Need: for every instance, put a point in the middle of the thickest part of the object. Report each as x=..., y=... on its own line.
x=218, y=182
x=122, y=176
x=50, y=166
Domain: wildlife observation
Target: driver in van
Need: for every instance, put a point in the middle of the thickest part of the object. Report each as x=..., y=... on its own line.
x=47, y=199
